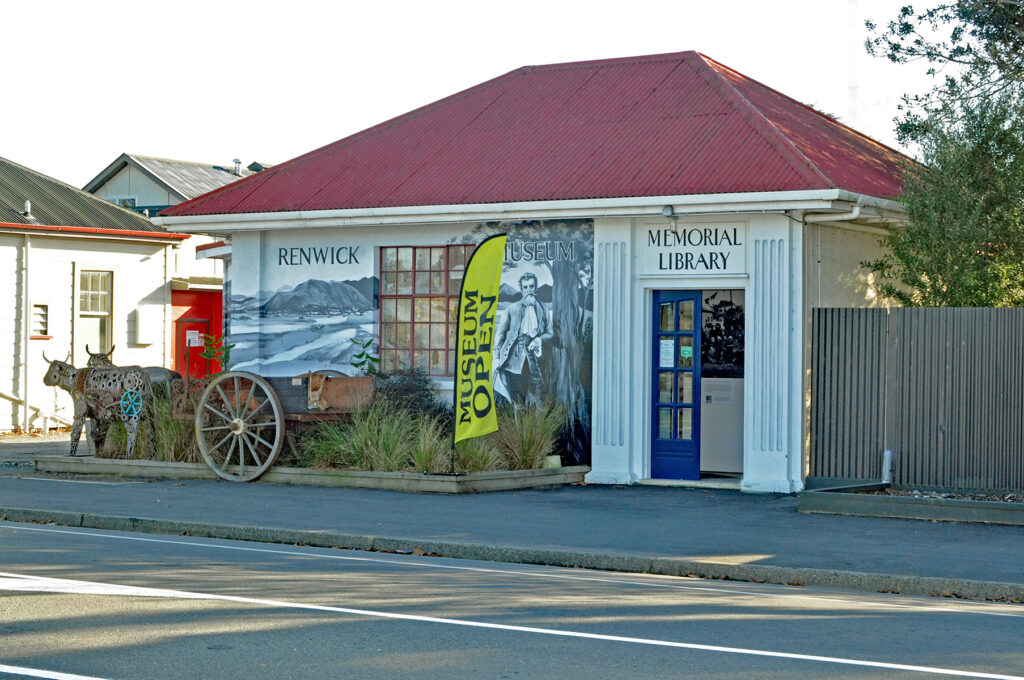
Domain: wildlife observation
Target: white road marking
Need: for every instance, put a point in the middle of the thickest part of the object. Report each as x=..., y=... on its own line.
x=398, y=561
x=37, y=673
x=46, y=584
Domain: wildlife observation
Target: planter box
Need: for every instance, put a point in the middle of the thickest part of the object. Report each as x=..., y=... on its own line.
x=844, y=501
x=391, y=481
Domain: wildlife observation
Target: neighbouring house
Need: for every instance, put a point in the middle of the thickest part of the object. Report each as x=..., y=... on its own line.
x=76, y=272
x=671, y=223
x=148, y=185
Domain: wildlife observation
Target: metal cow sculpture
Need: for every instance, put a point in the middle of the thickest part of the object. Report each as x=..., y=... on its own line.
x=157, y=374
x=105, y=394
x=99, y=358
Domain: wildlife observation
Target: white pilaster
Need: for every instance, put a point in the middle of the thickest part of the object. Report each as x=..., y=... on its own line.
x=772, y=430
x=614, y=414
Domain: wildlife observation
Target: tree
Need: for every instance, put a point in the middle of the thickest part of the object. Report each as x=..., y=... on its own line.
x=976, y=46
x=963, y=245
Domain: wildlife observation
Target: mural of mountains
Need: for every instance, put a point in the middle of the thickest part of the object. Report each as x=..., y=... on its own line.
x=320, y=297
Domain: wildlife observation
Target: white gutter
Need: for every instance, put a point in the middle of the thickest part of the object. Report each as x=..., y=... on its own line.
x=101, y=237
x=481, y=212
x=817, y=218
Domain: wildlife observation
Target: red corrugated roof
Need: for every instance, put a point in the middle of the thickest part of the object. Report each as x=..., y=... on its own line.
x=673, y=124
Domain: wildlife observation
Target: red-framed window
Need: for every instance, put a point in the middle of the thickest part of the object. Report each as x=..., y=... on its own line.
x=419, y=300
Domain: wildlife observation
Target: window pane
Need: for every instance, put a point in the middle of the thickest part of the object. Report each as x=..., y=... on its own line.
x=404, y=309
x=437, y=259
x=421, y=336
x=388, y=308
x=390, y=336
x=664, y=423
x=389, y=260
x=451, y=334
x=456, y=257
x=453, y=309
x=666, y=317
x=685, y=423
x=388, y=361
x=390, y=284
x=421, y=309
x=451, y=363
x=402, y=331
x=402, y=363
x=454, y=283
x=685, y=388
x=665, y=386
x=437, y=362
x=437, y=308
x=421, y=360
x=405, y=259
x=686, y=315
x=685, y=352
x=404, y=283
x=437, y=283
x=437, y=336
x=422, y=283
x=422, y=259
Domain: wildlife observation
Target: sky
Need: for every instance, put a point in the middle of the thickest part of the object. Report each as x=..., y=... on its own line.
x=212, y=81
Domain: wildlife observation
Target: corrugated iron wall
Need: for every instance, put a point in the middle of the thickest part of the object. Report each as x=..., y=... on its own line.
x=942, y=388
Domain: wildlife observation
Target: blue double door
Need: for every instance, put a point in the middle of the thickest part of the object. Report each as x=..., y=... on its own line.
x=675, y=394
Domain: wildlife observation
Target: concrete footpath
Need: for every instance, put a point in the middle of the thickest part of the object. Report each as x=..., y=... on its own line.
x=672, y=531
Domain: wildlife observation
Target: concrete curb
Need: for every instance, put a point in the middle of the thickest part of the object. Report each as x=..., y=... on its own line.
x=666, y=566
x=836, y=502
x=480, y=482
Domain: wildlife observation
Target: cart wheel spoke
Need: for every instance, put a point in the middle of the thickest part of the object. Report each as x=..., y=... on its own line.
x=245, y=406
x=226, y=403
x=252, y=450
x=257, y=434
x=213, y=409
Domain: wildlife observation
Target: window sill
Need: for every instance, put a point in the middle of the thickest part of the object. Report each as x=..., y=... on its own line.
x=40, y=337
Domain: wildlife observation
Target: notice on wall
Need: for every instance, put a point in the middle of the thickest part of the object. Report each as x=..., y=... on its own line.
x=192, y=339
x=666, y=353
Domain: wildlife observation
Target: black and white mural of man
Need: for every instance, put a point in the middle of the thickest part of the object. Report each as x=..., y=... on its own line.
x=549, y=270
x=519, y=344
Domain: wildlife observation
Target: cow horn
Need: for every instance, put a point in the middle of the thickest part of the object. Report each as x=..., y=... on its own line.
x=88, y=352
x=45, y=359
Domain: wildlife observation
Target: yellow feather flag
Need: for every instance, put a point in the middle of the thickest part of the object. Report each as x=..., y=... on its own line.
x=473, y=396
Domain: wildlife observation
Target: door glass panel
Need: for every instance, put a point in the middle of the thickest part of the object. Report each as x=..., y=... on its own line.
x=664, y=423
x=685, y=388
x=666, y=317
x=685, y=423
x=685, y=352
x=686, y=315
x=665, y=386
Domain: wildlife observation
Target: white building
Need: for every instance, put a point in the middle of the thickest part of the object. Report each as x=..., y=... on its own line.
x=75, y=272
x=676, y=220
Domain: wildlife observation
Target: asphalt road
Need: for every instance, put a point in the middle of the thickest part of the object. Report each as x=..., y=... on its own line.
x=83, y=603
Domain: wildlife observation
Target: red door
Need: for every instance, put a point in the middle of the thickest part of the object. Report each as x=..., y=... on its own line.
x=196, y=315
x=189, y=341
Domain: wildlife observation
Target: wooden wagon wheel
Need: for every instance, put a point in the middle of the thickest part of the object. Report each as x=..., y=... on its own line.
x=239, y=426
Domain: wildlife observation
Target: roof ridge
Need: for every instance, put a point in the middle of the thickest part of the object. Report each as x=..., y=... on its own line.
x=173, y=160
x=571, y=65
x=801, y=164
x=834, y=121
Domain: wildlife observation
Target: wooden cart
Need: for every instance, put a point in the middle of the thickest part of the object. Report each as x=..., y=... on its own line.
x=242, y=420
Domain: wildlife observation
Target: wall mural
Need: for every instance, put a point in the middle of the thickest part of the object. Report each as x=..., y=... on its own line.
x=312, y=301
x=545, y=327
x=309, y=301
